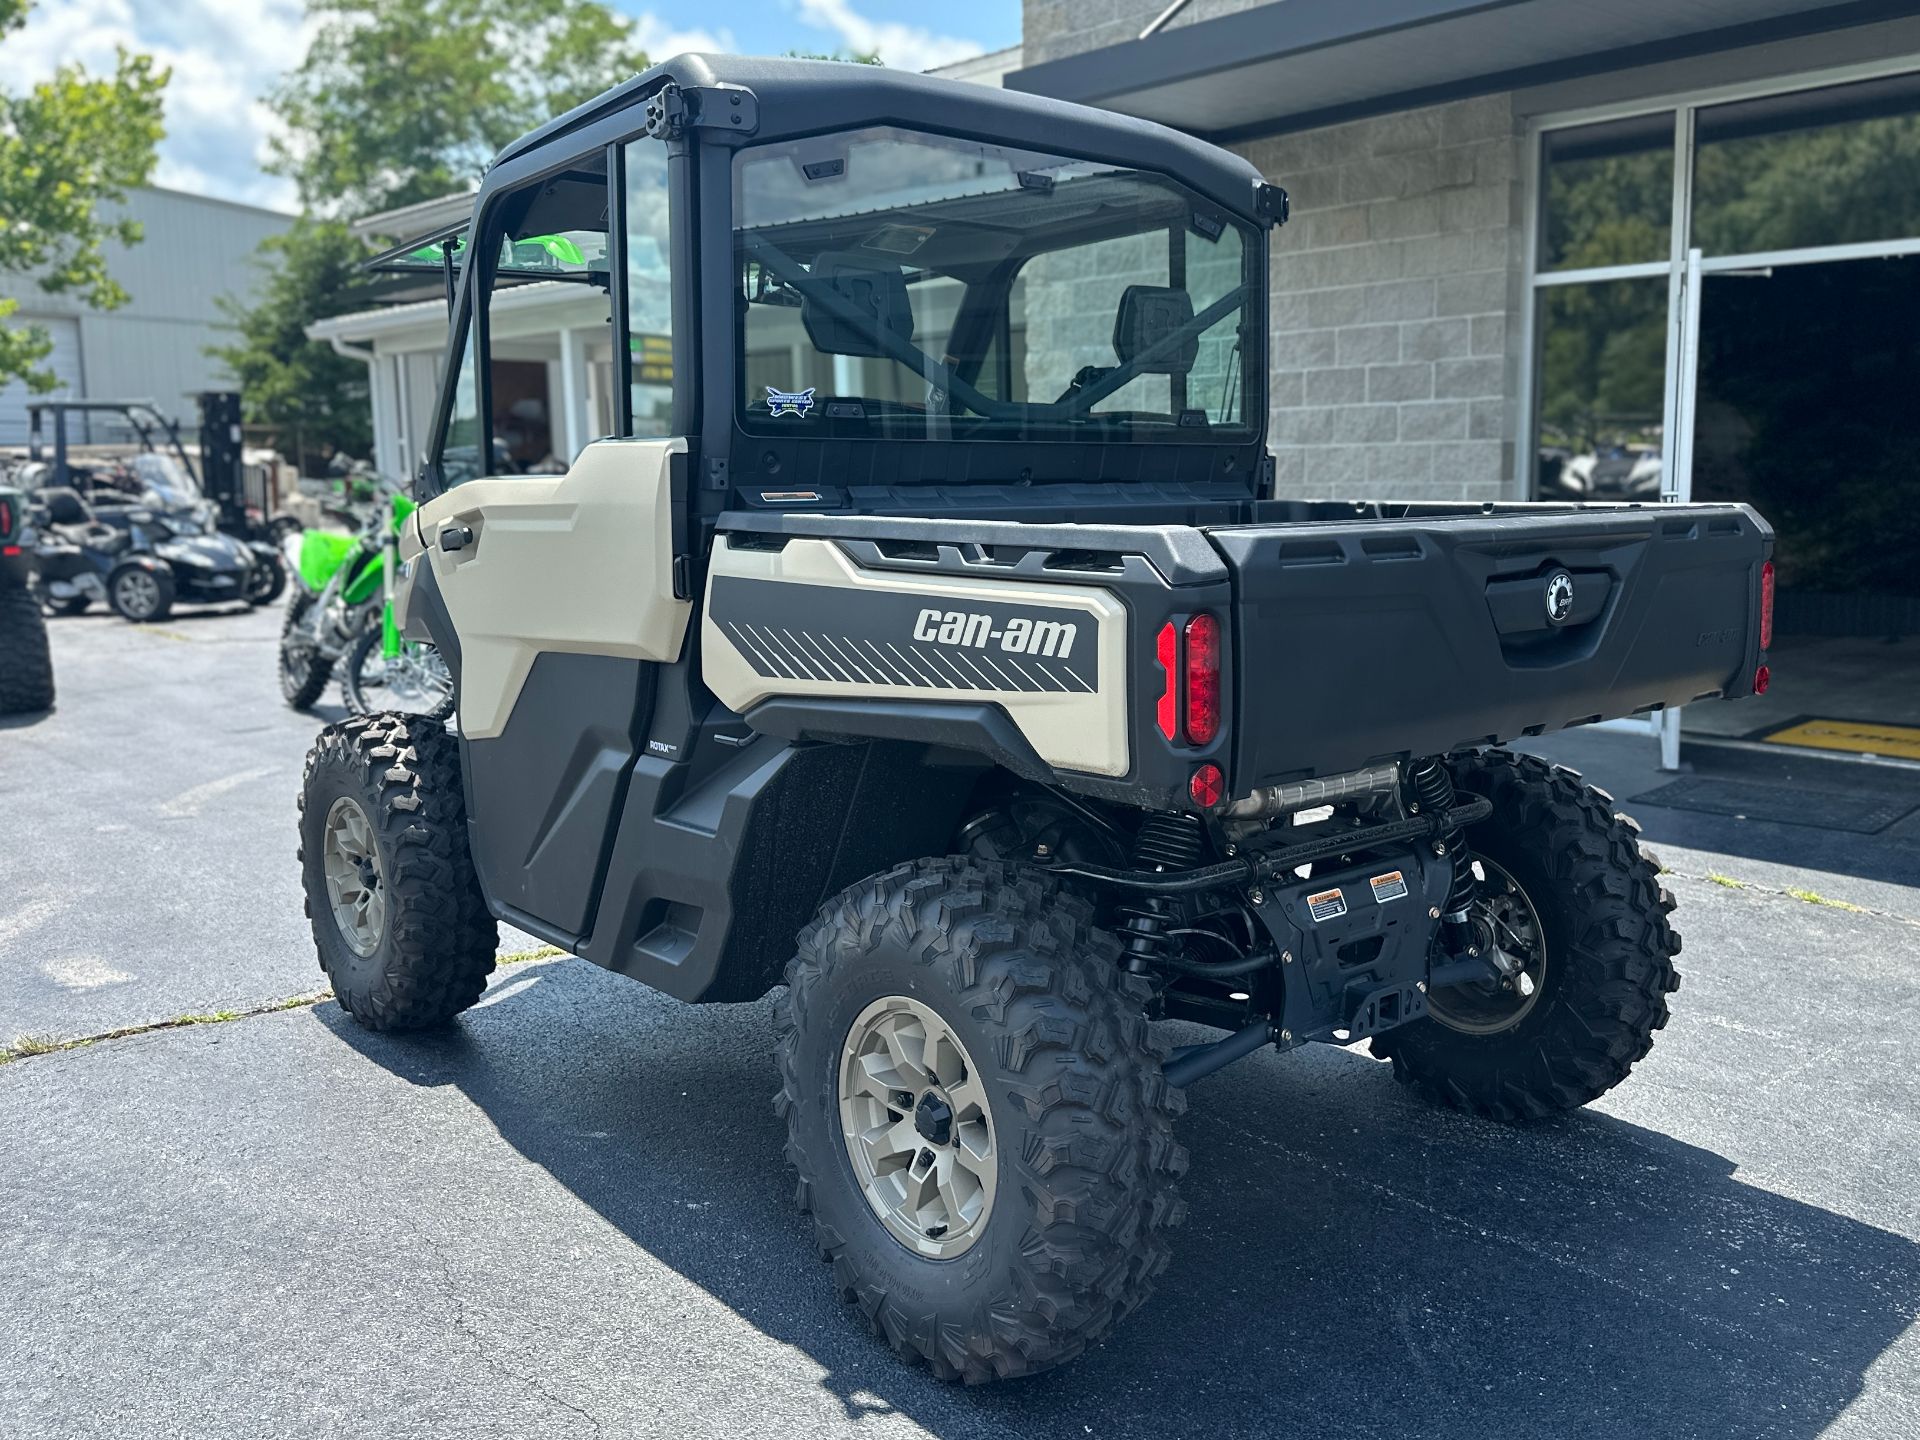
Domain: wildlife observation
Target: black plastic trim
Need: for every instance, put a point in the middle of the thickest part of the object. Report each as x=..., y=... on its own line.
x=985, y=730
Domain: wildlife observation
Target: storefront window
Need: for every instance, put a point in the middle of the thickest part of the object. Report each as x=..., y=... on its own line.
x=1602, y=388
x=1815, y=167
x=1607, y=194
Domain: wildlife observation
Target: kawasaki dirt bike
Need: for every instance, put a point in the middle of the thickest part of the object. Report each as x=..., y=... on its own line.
x=342, y=607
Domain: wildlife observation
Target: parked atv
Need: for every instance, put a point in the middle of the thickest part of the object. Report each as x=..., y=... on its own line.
x=26, y=662
x=342, y=606
x=141, y=561
x=928, y=641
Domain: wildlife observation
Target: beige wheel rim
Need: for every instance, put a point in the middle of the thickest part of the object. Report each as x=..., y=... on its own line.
x=918, y=1128
x=356, y=887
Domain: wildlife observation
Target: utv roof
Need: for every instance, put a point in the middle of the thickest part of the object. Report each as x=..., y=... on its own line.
x=793, y=98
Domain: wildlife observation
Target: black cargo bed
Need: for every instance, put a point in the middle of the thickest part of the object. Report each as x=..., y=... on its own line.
x=1357, y=640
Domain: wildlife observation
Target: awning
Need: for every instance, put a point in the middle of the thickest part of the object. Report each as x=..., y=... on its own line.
x=1298, y=63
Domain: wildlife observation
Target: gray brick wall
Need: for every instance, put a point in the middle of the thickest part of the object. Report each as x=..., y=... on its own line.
x=1392, y=288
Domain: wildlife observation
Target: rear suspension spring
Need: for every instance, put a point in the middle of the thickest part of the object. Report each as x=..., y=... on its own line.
x=1433, y=788
x=1162, y=843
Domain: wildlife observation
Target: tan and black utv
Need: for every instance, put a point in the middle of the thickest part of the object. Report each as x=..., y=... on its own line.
x=923, y=638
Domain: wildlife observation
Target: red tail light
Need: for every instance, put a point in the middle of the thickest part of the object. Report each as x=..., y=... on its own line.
x=1203, y=679
x=1762, y=678
x=1766, y=606
x=1168, y=653
x=6, y=517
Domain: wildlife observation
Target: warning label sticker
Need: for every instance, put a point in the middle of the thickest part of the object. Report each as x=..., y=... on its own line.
x=1327, y=905
x=1390, y=886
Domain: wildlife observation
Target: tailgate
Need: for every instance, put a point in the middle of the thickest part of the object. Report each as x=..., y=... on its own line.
x=1363, y=640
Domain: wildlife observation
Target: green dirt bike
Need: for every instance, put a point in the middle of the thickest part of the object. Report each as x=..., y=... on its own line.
x=342, y=608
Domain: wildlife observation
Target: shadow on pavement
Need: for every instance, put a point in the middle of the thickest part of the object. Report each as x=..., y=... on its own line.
x=1352, y=1257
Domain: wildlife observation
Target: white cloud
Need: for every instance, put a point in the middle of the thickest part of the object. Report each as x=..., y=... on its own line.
x=904, y=47
x=663, y=41
x=223, y=54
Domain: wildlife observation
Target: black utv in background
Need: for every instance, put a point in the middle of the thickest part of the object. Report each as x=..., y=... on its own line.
x=26, y=664
x=926, y=648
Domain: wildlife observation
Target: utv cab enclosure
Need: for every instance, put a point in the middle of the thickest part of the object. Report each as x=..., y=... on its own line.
x=923, y=635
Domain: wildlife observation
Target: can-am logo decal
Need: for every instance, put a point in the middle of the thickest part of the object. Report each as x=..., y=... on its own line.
x=1019, y=636
x=789, y=402
x=838, y=634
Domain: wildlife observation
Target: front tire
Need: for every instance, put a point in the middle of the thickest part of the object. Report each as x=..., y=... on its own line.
x=1561, y=863
x=26, y=661
x=140, y=593
x=416, y=682
x=304, y=671
x=1053, y=1070
x=401, y=927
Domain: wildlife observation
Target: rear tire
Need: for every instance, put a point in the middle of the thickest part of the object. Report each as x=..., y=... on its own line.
x=26, y=661
x=139, y=593
x=304, y=671
x=1609, y=952
x=382, y=816
x=1080, y=1120
x=267, y=581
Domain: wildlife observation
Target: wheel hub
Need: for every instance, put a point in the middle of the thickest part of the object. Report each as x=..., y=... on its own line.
x=933, y=1118
x=1507, y=930
x=917, y=1126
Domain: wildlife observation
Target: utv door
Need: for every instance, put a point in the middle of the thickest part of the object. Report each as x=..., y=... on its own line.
x=551, y=594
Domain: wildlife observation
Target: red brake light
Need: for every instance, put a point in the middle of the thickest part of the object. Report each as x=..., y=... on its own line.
x=1203, y=679
x=1168, y=653
x=6, y=516
x=1766, y=606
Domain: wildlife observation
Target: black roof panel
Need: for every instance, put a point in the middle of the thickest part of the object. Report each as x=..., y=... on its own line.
x=806, y=97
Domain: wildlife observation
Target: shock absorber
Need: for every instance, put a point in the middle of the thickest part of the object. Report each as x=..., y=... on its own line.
x=1163, y=842
x=1433, y=790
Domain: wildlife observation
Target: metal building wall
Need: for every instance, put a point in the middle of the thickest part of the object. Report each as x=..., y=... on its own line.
x=195, y=249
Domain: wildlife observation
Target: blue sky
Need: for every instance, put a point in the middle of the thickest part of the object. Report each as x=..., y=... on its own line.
x=226, y=53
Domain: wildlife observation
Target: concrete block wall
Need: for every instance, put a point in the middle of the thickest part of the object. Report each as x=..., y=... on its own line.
x=1394, y=358
x=1395, y=286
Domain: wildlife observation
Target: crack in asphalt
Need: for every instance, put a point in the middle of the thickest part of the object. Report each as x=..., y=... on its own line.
x=1799, y=897
x=485, y=1352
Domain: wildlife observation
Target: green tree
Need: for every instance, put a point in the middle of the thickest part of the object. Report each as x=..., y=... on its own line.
x=402, y=100
x=67, y=146
x=313, y=396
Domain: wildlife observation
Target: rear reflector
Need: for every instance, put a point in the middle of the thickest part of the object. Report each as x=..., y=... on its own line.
x=1168, y=653
x=1203, y=679
x=1766, y=606
x=1206, y=786
x=1762, y=678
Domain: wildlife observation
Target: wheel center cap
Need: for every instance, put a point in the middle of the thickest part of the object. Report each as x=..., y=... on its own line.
x=933, y=1118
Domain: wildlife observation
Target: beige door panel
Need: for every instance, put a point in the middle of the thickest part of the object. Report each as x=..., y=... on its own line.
x=580, y=563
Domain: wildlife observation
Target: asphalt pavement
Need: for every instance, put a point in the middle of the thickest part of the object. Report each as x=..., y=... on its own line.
x=569, y=1215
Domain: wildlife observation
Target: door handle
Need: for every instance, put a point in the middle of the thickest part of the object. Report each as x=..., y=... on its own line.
x=455, y=537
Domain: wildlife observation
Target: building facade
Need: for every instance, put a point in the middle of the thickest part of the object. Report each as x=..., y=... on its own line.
x=1550, y=249
x=194, y=250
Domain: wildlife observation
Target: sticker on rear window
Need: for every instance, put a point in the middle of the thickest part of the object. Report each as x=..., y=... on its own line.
x=1327, y=905
x=789, y=402
x=1390, y=886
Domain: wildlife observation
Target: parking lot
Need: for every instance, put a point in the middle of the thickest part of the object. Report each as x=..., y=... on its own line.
x=569, y=1214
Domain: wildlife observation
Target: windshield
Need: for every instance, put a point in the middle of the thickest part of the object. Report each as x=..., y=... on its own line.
x=902, y=285
x=166, y=478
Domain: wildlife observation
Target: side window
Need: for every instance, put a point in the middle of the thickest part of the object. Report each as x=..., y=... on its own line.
x=649, y=288
x=460, y=455
x=536, y=380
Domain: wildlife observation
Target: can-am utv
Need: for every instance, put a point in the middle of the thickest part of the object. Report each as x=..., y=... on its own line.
x=924, y=639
